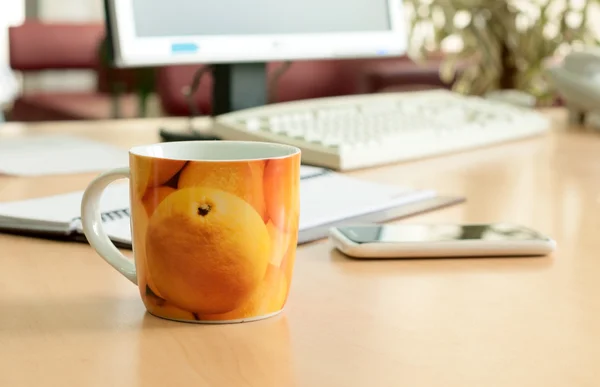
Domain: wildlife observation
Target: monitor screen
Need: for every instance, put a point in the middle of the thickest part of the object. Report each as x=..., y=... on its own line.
x=159, y=32
x=156, y=18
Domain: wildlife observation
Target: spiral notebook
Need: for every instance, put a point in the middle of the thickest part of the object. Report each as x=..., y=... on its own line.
x=326, y=199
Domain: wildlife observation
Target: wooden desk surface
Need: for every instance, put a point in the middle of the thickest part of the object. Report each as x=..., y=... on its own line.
x=68, y=319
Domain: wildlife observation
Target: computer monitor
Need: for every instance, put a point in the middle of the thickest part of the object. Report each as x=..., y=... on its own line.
x=238, y=37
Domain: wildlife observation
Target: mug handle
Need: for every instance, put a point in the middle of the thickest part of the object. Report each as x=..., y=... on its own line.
x=91, y=221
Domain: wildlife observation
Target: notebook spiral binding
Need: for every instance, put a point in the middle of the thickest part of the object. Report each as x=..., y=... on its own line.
x=115, y=215
x=111, y=215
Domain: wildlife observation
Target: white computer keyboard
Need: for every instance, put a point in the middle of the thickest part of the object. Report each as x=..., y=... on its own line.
x=351, y=132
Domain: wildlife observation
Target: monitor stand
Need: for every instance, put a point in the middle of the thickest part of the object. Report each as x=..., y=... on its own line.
x=235, y=87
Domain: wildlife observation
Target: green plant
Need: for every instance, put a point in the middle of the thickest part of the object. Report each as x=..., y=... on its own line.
x=504, y=42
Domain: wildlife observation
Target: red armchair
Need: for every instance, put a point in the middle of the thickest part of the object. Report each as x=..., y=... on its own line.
x=36, y=46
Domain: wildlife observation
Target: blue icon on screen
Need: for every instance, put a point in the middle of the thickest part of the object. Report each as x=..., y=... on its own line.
x=184, y=47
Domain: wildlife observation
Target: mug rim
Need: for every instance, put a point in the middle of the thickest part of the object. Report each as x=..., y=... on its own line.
x=156, y=150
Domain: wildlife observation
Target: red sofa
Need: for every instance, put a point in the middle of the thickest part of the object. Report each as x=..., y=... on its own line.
x=36, y=46
x=308, y=79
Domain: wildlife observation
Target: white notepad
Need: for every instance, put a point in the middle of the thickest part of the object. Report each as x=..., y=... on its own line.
x=59, y=215
x=57, y=154
x=325, y=197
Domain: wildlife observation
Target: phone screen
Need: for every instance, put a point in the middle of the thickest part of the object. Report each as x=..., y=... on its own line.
x=435, y=233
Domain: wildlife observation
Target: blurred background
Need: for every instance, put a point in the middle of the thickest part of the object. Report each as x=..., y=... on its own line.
x=54, y=64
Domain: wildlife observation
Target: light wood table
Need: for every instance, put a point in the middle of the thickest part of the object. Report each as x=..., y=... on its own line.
x=68, y=319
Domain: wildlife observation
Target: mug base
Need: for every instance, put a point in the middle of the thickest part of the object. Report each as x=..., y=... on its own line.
x=216, y=322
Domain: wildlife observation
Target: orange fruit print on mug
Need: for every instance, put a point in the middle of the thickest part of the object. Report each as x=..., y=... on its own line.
x=215, y=241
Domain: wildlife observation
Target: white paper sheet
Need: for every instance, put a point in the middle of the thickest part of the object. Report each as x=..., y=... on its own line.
x=333, y=197
x=57, y=154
